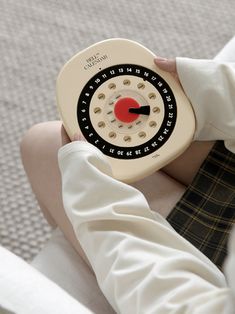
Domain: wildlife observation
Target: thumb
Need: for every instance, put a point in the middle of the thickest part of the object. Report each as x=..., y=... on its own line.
x=168, y=65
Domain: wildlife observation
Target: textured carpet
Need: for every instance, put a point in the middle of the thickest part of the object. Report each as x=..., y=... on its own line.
x=38, y=37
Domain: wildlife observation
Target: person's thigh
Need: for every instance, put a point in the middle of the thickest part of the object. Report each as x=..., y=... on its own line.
x=39, y=148
x=185, y=167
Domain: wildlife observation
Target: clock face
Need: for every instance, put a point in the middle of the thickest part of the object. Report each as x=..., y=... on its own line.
x=127, y=111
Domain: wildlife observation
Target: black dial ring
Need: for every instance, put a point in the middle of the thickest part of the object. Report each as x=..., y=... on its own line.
x=112, y=150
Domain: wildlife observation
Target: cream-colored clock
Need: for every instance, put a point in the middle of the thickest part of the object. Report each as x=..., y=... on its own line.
x=135, y=113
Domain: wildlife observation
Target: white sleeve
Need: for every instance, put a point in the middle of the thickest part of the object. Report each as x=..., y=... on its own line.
x=210, y=86
x=142, y=265
x=229, y=269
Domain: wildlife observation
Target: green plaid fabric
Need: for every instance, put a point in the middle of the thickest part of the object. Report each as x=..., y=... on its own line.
x=206, y=212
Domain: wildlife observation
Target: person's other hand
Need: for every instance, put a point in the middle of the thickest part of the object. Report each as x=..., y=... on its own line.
x=168, y=65
x=65, y=138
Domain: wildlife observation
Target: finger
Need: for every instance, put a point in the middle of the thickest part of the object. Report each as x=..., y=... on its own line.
x=168, y=65
x=64, y=136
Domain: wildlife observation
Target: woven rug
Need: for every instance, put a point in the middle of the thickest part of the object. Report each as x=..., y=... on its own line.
x=38, y=37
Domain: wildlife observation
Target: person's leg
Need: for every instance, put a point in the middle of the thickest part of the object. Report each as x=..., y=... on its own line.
x=185, y=167
x=39, y=148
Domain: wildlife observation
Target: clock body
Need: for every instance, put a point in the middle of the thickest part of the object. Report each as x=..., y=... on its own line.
x=122, y=103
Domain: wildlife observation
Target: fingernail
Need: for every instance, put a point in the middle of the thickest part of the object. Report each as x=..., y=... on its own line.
x=160, y=59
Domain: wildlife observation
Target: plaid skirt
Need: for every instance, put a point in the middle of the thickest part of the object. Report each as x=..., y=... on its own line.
x=206, y=212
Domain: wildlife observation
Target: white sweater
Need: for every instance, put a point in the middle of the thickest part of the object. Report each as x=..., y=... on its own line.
x=142, y=265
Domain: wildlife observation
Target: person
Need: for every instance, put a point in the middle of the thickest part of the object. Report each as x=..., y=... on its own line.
x=141, y=263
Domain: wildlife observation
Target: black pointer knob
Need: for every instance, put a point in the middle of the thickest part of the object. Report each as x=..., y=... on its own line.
x=141, y=110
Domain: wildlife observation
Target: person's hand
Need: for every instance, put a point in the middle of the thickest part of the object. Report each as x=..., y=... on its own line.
x=65, y=138
x=168, y=65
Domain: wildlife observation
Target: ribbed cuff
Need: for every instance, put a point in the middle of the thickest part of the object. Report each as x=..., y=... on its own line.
x=78, y=146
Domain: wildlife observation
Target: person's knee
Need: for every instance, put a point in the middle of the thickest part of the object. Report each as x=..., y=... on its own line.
x=39, y=137
x=30, y=138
